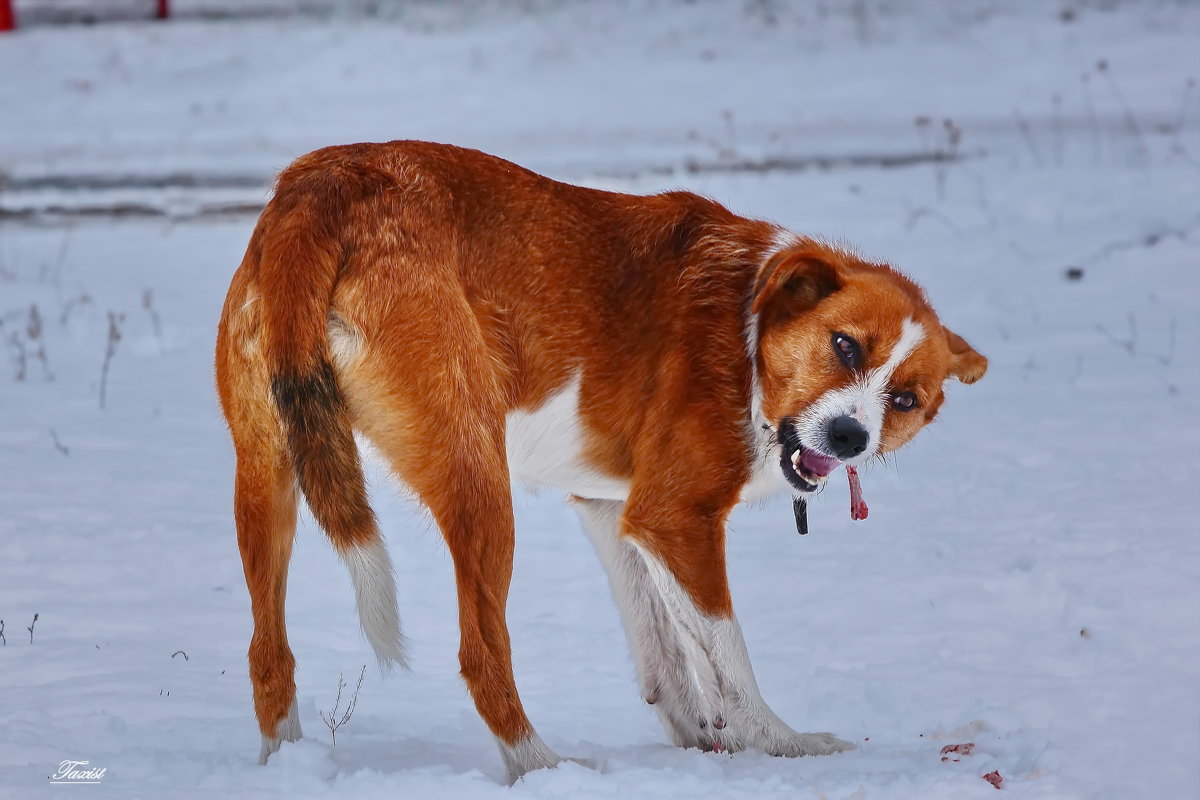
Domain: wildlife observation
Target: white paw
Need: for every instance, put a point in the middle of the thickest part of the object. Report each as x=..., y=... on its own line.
x=743, y=728
x=692, y=732
x=807, y=744
x=525, y=756
x=286, y=730
x=692, y=713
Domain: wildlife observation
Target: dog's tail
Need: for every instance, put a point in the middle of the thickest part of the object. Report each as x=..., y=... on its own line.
x=300, y=244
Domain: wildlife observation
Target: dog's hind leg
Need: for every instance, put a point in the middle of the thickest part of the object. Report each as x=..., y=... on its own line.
x=472, y=503
x=464, y=482
x=265, y=509
x=265, y=502
x=436, y=415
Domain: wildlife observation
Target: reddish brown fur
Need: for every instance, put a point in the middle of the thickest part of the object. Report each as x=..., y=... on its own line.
x=473, y=288
x=814, y=289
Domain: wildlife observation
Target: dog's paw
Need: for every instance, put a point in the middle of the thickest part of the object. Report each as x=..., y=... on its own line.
x=691, y=707
x=286, y=730
x=718, y=736
x=685, y=729
x=691, y=728
x=807, y=744
x=525, y=755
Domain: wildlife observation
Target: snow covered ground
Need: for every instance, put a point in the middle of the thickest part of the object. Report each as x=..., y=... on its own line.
x=1029, y=578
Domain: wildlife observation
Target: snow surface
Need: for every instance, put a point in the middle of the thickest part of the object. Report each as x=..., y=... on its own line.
x=1029, y=577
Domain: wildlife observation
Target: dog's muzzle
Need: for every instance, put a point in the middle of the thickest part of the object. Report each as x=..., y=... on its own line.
x=805, y=468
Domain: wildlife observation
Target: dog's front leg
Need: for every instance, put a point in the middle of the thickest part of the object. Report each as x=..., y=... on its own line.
x=719, y=690
x=750, y=718
x=665, y=671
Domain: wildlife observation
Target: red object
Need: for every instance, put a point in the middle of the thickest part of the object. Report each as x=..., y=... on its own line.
x=163, y=10
x=993, y=778
x=963, y=749
x=858, y=507
x=8, y=20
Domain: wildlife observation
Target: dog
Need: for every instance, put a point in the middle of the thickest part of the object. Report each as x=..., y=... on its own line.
x=658, y=358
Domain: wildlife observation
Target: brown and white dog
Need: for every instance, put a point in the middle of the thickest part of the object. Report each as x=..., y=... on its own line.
x=658, y=358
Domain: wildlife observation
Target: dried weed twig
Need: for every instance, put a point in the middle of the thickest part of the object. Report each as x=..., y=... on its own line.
x=71, y=305
x=110, y=349
x=1026, y=131
x=1169, y=358
x=1056, y=101
x=332, y=720
x=1129, y=344
x=943, y=146
x=947, y=155
x=33, y=332
x=3, y=641
x=1140, y=149
x=52, y=273
x=26, y=342
x=155, y=320
x=1093, y=123
x=17, y=351
x=30, y=628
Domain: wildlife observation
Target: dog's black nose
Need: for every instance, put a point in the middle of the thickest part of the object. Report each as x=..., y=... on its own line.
x=847, y=437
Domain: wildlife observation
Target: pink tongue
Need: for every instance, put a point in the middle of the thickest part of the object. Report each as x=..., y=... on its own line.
x=858, y=508
x=816, y=463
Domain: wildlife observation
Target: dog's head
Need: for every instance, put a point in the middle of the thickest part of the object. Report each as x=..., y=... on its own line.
x=851, y=359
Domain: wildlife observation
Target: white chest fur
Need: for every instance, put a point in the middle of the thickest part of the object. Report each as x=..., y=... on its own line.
x=545, y=448
x=766, y=477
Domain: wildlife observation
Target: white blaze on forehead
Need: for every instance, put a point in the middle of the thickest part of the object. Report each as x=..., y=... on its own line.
x=866, y=400
x=911, y=335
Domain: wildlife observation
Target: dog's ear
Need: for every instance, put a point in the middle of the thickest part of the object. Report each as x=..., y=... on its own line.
x=966, y=364
x=801, y=276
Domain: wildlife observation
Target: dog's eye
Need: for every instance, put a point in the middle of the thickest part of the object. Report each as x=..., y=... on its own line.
x=847, y=350
x=905, y=401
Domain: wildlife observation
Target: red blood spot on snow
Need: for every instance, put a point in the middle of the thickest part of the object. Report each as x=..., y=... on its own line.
x=858, y=508
x=993, y=778
x=963, y=749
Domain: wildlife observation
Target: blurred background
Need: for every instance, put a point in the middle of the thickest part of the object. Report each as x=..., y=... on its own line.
x=1029, y=577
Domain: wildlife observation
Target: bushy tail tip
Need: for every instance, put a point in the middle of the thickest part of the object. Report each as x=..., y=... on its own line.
x=375, y=589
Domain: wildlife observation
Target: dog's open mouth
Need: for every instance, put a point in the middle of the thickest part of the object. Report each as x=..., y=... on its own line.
x=806, y=469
